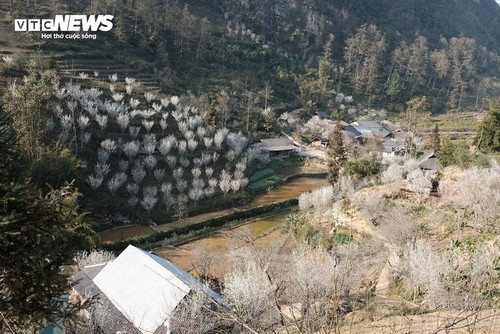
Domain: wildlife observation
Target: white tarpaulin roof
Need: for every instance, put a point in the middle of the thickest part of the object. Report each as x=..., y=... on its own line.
x=145, y=287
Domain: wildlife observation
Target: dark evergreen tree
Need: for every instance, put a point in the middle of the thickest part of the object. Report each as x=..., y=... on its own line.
x=436, y=138
x=488, y=133
x=336, y=154
x=28, y=106
x=39, y=236
x=447, y=154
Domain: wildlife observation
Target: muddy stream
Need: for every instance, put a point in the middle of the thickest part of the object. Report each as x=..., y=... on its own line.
x=283, y=192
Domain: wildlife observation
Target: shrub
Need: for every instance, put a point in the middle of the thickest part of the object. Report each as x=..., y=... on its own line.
x=362, y=168
x=488, y=134
x=454, y=154
x=264, y=184
x=54, y=168
x=342, y=238
x=261, y=174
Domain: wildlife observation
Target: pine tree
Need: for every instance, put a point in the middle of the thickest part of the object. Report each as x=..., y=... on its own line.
x=32, y=254
x=436, y=138
x=28, y=106
x=336, y=154
x=488, y=134
x=446, y=154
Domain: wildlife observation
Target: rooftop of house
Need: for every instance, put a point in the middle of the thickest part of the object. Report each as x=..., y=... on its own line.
x=366, y=124
x=392, y=145
x=429, y=161
x=276, y=144
x=322, y=114
x=351, y=131
x=371, y=128
x=141, y=286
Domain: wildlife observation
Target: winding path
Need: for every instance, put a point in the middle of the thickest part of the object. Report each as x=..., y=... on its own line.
x=358, y=223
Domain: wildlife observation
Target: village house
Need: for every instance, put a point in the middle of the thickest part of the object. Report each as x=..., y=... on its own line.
x=350, y=132
x=322, y=115
x=428, y=165
x=136, y=293
x=429, y=162
x=277, y=147
x=392, y=147
x=318, y=142
x=371, y=129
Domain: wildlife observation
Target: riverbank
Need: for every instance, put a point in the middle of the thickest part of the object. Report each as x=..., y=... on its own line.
x=292, y=187
x=207, y=254
x=204, y=227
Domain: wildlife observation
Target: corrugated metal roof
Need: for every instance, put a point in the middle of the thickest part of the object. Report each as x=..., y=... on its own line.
x=366, y=124
x=352, y=131
x=271, y=142
x=280, y=148
x=109, y=319
x=84, y=285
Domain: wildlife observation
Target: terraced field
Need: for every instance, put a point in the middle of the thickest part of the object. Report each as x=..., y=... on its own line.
x=71, y=67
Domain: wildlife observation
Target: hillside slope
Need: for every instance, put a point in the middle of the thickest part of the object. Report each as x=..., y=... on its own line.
x=240, y=46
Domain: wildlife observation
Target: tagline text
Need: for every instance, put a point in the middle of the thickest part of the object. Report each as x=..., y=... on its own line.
x=74, y=36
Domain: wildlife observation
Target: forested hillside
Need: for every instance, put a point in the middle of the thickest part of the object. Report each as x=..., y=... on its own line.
x=215, y=123
x=383, y=52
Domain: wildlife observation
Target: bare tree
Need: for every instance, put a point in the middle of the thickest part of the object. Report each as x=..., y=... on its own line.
x=193, y=315
x=87, y=258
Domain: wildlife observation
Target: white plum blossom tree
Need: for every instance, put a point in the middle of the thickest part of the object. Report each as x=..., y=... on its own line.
x=102, y=155
x=116, y=182
x=138, y=173
x=171, y=161
x=149, y=199
x=134, y=131
x=109, y=145
x=131, y=149
x=123, y=120
x=159, y=174
x=225, y=181
x=94, y=181
x=133, y=188
x=123, y=165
